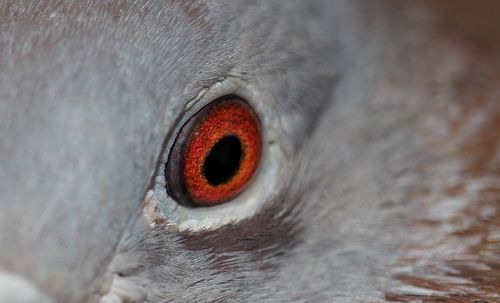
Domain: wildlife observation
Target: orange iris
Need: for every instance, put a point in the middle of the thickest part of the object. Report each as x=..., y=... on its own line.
x=215, y=154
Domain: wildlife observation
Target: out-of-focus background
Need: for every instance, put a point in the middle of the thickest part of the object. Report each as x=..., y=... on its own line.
x=478, y=20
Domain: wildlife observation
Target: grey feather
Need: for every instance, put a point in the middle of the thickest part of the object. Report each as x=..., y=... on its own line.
x=91, y=91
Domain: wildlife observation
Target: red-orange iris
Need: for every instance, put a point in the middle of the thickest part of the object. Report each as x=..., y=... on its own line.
x=215, y=154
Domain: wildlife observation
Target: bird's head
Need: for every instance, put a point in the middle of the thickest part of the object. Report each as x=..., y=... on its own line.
x=244, y=151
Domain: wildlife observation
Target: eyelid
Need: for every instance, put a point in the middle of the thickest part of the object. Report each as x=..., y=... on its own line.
x=267, y=182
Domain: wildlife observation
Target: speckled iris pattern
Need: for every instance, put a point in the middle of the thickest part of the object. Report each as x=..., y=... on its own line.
x=221, y=118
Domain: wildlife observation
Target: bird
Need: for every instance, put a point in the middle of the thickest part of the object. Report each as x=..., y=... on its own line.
x=247, y=151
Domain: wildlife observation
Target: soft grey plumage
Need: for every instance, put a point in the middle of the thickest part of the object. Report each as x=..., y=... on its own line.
x=91, y=93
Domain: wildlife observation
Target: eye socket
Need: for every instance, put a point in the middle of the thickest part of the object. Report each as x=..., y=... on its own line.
x=215, y=154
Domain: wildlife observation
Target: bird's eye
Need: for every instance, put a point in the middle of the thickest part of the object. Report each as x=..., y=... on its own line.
x=215, y=154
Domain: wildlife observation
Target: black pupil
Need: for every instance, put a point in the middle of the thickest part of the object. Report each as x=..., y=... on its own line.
x=223, y=160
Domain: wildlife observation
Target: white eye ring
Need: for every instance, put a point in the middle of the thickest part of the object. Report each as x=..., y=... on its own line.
x=267, y=182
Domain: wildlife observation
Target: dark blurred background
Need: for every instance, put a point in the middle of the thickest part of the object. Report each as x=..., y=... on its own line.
x=479, y=20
